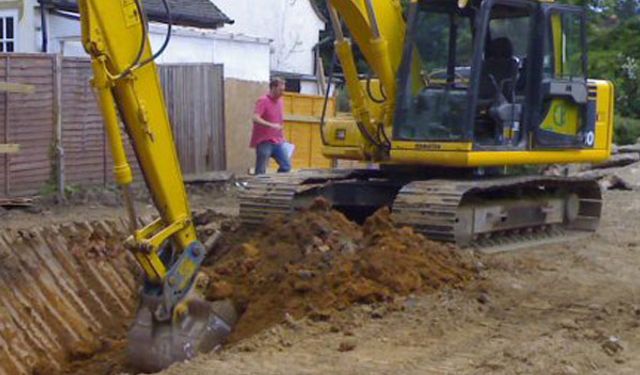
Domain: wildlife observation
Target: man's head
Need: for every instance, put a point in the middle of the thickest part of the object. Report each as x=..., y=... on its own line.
x=276, y=87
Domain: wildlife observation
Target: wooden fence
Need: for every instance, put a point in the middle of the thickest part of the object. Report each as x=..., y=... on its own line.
x=59, y=127
x=27, y=120
x=195, y=100
x=84, y=158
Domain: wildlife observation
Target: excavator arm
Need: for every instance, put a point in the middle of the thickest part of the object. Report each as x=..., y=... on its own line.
x=378, y=28
x=174, y=321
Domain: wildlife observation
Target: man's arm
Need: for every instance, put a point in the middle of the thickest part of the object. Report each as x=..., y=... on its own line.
x=259, y=120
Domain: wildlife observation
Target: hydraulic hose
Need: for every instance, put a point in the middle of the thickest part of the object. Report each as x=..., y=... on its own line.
x=326, y=96
x=136, y=64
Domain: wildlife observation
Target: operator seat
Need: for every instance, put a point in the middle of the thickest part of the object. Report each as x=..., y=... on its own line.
x=496, y=95
x=499, y=71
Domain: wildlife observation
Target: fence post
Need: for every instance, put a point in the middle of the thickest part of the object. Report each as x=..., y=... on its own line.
x=7, y=164
x=57, y=115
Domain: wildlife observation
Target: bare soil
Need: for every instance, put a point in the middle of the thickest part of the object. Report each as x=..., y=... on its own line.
x=318, y=263
x=100, y=203
x=557, y=309
x=570, y=308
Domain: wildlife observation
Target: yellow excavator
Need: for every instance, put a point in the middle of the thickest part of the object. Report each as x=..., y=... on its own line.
x=464, y=92
x=466, y=96
x=174, y=322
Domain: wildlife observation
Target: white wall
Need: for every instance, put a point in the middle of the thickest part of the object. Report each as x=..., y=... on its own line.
x=244, y=61
x=243, y=58
x=293, y=26
x=309, y=88
x=61, y=29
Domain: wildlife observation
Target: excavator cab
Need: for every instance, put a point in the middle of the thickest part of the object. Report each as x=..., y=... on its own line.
x=498, y=74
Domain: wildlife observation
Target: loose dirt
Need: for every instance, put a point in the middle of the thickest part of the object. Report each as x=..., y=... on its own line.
x=313, y=265
x=320, y=295
x=570, y=308
x=318, y=262
x=92, y=204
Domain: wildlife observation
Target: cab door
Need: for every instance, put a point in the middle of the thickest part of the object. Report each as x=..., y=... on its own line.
x=565, y=115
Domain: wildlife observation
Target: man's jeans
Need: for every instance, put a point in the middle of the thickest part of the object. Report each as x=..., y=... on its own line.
x=267, y=150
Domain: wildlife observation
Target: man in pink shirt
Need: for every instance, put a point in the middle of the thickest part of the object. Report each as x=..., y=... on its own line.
x=267, y=137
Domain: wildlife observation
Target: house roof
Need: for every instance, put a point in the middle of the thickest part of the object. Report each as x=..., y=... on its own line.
x=197, y=13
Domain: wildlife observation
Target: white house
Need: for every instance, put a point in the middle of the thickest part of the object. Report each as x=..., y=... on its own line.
x=17, y=21
x=195, y=38
x=293, y=26
x=251, y=38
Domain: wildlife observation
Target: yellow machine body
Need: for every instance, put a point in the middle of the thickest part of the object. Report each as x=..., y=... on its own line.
x=380, y=30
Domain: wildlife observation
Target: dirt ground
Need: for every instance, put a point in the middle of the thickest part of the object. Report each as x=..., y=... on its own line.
x=99, y=203
x=557, y=309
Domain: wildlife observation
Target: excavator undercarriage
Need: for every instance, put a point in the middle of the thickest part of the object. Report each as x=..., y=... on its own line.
x=490, y=214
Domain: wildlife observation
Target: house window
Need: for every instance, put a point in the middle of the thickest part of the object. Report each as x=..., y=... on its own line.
x=292, y=85
x=8, y=29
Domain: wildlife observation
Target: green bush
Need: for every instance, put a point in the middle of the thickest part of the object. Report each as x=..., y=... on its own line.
x=626, y=130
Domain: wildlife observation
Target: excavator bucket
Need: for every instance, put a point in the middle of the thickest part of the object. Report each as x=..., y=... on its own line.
x=154, y=345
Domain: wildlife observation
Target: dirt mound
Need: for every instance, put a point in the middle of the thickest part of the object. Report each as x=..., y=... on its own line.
x=312, y=264
x=318, y=262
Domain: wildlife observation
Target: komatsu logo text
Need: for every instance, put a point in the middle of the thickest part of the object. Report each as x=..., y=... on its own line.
x=428, y=146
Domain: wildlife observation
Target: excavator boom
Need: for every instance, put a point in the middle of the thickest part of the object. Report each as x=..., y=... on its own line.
x=174, y=322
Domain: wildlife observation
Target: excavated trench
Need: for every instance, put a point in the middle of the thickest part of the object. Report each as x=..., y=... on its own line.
x=69, y=291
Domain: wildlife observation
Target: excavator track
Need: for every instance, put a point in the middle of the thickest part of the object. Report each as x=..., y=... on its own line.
x=268, y=195
x=491, y=214
x=500, y=214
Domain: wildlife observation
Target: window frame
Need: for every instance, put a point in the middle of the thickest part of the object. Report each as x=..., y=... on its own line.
x=406, y=66
x=548, y=36
x=483, y=19
x=542, y=139
x=5, y=14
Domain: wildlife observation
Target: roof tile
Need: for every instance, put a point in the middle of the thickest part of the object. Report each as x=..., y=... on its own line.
x=197, y=13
